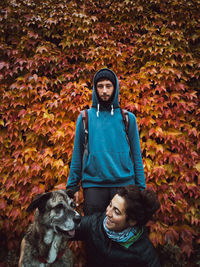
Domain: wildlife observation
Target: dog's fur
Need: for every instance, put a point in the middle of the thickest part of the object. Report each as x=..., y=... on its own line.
x=45, y=242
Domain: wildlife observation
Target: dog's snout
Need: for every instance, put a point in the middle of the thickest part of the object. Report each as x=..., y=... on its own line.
x=77, y=219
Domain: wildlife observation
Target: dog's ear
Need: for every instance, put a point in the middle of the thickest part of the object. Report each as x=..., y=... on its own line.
x=39, y=202
x=70, y=192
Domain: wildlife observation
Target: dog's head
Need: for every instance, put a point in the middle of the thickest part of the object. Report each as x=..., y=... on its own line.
x=56, y=210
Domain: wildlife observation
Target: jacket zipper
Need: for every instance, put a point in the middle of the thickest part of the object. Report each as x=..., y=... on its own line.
x=109, y=246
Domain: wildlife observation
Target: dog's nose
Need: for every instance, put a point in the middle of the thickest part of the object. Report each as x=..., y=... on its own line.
x=77, y=218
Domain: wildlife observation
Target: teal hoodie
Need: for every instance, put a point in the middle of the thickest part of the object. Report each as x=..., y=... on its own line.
x=108, y=162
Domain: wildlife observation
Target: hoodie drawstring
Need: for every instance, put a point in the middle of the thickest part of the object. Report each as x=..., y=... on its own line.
x=112, y=110
x=98, y=105
x=98, y=108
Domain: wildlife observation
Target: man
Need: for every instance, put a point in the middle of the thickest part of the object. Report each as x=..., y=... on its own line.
x=109, y=162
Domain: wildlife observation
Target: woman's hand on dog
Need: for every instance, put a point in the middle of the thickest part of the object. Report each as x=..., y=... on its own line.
x=21, y=253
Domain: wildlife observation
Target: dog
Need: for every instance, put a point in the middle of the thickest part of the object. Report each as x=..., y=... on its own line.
x=55, y=220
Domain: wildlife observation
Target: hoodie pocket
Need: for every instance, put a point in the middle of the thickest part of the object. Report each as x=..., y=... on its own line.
x=109, y=165
x=89, y=167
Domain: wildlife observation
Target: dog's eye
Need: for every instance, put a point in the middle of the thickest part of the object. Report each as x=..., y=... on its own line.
x=58, y=207
x=73, y=205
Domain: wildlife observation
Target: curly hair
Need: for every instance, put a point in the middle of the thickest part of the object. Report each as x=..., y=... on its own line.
x=140, y=205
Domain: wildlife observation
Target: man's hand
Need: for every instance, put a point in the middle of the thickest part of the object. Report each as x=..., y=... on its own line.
x=76, y=197
x=73, y=193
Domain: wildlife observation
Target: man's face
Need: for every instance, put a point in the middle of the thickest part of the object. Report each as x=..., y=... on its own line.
x=105, y=89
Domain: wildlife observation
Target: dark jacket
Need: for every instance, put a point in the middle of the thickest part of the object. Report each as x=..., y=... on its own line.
x=106, y=253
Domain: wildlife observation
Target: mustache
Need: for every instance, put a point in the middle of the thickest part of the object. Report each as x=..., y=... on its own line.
x=104, y=94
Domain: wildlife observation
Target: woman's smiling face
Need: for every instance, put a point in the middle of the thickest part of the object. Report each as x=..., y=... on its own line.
x=116, y=214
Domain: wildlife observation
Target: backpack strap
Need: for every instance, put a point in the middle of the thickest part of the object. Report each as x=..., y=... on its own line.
x=84, y=114
x=125, y=117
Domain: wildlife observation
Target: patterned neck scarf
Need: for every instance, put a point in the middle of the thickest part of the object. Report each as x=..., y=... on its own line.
x=122, y=236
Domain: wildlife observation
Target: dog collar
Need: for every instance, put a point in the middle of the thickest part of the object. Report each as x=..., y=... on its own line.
x=43, y=260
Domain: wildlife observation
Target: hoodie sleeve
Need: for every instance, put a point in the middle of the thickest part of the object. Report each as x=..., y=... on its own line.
x=76, y=163
x=134, y=139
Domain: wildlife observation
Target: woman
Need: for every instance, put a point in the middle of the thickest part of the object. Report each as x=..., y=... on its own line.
x=118, y=237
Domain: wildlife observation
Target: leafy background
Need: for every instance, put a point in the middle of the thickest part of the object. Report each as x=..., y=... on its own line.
x=49, y=53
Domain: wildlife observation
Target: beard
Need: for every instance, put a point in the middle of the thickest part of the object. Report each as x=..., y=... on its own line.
x=106, y=104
